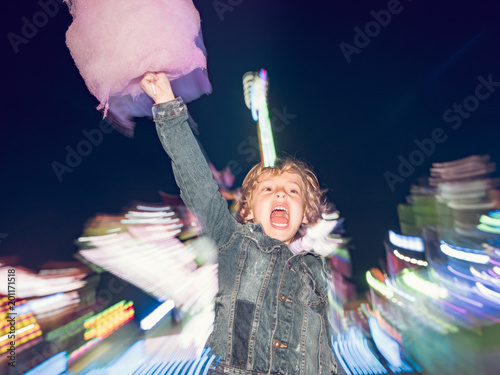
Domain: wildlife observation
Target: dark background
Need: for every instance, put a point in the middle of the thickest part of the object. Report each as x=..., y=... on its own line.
x=352, y=120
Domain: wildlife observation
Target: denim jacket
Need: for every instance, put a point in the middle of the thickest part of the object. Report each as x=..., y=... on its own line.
x=271, y=308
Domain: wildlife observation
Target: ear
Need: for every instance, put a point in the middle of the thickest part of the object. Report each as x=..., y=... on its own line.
x=304, y=219
x=249, y=216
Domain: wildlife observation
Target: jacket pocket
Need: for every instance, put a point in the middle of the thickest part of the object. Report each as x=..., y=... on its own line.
x=256, y=260
x=311, y=294
x=242, y=326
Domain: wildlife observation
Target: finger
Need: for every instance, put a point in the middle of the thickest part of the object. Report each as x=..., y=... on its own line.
x=149, y=76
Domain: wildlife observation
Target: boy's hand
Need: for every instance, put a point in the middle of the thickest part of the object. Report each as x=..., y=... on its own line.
x=157, y=86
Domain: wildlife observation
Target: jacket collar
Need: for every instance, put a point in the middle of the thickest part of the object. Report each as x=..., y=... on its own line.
x=255, y=232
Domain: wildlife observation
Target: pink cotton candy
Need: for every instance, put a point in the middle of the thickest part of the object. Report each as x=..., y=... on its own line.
x=114, y=42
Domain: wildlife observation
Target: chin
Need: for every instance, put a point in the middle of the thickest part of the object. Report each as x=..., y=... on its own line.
x=283, y=237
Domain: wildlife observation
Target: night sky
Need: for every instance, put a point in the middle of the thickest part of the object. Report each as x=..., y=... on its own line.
x=355, y=107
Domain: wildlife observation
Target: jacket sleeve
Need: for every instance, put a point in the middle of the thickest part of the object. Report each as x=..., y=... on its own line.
x=199, y=191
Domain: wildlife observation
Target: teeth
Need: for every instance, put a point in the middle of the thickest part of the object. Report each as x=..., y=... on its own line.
x=280, y=208
x=279, y=225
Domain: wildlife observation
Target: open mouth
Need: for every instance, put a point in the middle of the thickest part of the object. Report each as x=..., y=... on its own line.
x=279, y=217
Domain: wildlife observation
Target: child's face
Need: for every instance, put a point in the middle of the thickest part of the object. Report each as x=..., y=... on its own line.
x=278, y=204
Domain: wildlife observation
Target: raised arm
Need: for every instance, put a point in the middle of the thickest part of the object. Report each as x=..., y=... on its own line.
x=199, y=191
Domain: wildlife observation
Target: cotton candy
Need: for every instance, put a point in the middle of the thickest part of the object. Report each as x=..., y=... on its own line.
x=114, y=42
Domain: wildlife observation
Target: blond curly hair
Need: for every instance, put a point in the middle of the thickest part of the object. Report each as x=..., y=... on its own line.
x=314, y=197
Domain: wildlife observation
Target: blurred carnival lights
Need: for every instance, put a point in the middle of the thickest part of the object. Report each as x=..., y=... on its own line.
x=255, y=87
x=450, y=319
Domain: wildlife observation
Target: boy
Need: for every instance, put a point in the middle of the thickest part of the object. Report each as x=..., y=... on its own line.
x=271, y=308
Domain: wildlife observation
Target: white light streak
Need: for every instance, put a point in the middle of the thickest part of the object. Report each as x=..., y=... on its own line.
x=406, y=242
x=148, y=208
x=19, y=331
x=152, y=319
x=488, y=293
x=418, y=262
x=460, y=253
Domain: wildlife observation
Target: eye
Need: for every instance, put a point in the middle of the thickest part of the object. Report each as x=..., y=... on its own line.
x=266, y=188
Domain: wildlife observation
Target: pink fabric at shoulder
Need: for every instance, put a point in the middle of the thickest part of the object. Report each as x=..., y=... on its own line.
x=114, y=42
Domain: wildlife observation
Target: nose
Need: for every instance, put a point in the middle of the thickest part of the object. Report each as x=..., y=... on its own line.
x=280, y=193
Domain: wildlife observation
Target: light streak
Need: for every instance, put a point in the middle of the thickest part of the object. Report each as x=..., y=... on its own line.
x=418, y=262
x=423, y=286
x=148, y=214
x=467, y=300
x=460, y=253
x=56, y=364
x=154, y=317
x=38, y=304
x=255, y=92
x=490, y=219
x=412, y=243
x=488, y=293
x=398, y=291
x=379, y=286
x=387, y=346
x=153, y=220
x=355, y=355
x=340, y=358
x=18, y=332
x=460, y=274
x=488, y=229
x=82, y=349
x=454, y=307
x=108, y=321
x=113, y=230
x=148, y=208
x=496, y=270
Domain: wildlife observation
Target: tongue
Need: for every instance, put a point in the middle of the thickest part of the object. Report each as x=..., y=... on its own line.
x=279, y=217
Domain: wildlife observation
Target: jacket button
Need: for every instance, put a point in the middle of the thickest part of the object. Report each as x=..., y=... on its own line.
x=277, y=344
x=282, y=297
